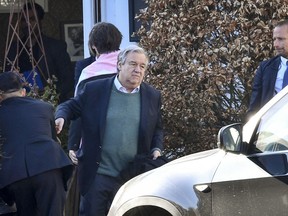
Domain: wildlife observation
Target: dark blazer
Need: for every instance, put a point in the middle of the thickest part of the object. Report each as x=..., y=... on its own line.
x=80, y=65
x=30, y=146
x=92, y=104
x=58, y=62
x=264, y=84
x=74, y=135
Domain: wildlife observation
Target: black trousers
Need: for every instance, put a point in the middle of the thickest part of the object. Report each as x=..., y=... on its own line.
x=40, y=195
x=97, y=201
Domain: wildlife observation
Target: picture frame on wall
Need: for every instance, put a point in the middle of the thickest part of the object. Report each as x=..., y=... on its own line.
x=72, y=33
x=7, y=5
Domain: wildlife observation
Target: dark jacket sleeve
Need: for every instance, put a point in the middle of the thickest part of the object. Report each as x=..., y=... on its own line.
x=151, y=128
x=74, y=136
x=255, y=99
x=157, y=141
x=263, y=84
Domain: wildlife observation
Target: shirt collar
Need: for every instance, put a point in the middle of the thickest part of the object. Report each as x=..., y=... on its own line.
x=122, y=88
x=283, y=60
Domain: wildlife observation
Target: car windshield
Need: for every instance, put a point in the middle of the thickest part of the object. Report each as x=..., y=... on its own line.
x=272, y=132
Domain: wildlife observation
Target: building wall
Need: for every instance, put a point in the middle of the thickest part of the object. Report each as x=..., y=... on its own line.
x=113, y=11
x=117, y=12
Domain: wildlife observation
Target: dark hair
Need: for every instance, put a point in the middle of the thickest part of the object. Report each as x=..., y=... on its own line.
x=105, y=37
x=38, y=8
x=10, y=82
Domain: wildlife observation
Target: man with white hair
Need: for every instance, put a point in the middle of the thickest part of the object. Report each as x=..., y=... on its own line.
x=121, y=117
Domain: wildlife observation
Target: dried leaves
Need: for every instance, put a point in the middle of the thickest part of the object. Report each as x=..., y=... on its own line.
x=204, y=57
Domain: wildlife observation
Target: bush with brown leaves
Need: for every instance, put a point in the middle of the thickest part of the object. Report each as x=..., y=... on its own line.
x=204, y=55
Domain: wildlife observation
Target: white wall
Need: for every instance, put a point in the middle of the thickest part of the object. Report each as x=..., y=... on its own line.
x=117, y=13
x=88, y=22
x=113, y=11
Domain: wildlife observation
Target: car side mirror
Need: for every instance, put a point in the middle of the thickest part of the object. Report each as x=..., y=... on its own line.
x=230, y=137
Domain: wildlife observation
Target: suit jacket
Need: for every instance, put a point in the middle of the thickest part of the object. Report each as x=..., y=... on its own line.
x=92, y=105
x=80, y=65
x=74, y=135
x=264, y=84
x=29, y=143
x=58, y=62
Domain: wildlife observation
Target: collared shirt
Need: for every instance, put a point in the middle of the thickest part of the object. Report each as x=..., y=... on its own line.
x=281, y=70
x=122, y=88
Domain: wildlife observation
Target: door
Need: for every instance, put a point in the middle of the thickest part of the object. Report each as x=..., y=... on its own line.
x=257, y=183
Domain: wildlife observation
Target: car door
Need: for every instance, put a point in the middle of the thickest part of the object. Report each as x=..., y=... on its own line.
x=256, y=183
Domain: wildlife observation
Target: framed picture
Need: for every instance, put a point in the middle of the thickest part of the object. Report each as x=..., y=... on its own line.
x=73, y=36
x=6, y=5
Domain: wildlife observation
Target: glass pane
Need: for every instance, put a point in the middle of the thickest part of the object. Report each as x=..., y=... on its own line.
x=272, y=133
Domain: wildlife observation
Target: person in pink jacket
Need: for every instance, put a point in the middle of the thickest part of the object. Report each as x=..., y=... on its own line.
x=104, y=43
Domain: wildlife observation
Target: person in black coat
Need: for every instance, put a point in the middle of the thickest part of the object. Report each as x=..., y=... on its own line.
x=34, y=168
x=104, y=42
x=121, y=118
x=56, y=56
x=270, y=74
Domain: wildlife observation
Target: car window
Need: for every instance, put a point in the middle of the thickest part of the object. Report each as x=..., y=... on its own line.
x=272, y=132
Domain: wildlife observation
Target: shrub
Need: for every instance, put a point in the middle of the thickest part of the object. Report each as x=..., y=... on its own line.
x=204, y=55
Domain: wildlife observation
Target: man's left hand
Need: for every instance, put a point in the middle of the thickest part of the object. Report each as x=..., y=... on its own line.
x=156, y=154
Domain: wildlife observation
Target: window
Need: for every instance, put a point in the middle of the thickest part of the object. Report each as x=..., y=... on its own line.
x=134, y=25
x=272, y=132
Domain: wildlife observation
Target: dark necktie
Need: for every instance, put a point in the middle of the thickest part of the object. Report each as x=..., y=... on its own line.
x=285, y=78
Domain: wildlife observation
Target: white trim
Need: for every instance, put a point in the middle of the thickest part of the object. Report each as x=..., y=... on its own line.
x=88, y=22
x=117, y=13
x=113, y=11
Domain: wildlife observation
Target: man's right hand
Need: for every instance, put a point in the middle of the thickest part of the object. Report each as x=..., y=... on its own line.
x=59, y=123
x=73, y=157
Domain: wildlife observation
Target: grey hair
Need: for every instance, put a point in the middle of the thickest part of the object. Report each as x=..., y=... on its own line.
x=122, y=56
x=282, y=23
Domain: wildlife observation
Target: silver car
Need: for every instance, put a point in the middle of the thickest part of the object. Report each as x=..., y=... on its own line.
x=246, y=175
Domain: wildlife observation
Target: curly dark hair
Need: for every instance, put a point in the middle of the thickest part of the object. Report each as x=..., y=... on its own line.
x=10, y=82
x=105, y=37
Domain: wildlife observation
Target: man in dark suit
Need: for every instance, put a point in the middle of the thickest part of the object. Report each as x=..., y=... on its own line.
x=269, y=77
x=121, y=117
x=104, y=42
x=34, y=168
x=56, y=56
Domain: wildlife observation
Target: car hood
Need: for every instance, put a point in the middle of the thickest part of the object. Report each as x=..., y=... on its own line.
x=177, y=179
